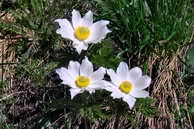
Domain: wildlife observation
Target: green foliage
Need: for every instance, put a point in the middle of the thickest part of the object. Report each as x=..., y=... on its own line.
x=145, y=107
x=94, y=113
x=141, y=25
x=12, y=27
x=105, y=55
x=36, y=70
x=3, y=84
x=190, y=61
x=191, y=102
x=5, y=126
x=188, y=67
x=192, y=110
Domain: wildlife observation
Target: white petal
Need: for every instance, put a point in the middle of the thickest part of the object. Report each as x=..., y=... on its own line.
x=140, y=94
x=98, y=74
x=134, y=74
x=74, y=92
x=87, y=19
x=116, y=94
x=86, y=68
x=98, y=31
x=73, y=68
x=114, y=77
x=130, y=100
x=65, y=76
x=76, y=18
x=143, y=82
x=109, y=86
x=98, y=85
x=65, y=30
x=80, y=46
x=90, y=90
x=122, y=71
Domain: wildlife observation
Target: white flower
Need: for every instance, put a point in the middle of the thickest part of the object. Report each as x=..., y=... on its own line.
x=81, y=77
x=128, y=84
x=82, y=31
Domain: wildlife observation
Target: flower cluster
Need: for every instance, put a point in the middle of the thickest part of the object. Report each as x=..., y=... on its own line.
x=127, y=84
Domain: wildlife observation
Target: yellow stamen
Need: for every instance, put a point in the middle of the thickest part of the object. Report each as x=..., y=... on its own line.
x=82, y=33
x=82, y=81
x=126, y=87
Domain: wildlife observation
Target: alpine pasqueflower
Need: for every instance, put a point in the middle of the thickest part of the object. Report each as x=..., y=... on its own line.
x=128, y=84
x=81, y=77
x=82, y=31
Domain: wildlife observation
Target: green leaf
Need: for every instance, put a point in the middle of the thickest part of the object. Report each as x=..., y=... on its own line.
x=106, y=56
x=94, y=113
x=145, y=106
x=190, y=60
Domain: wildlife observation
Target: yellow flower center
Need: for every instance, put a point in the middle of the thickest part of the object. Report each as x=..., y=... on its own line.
x=82, y=33
x=82, y=81
x=126, y=87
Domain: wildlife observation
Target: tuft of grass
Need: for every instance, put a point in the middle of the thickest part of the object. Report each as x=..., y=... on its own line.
x=141, y=26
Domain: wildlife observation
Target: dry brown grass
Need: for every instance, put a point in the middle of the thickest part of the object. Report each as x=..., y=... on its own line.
x=170, y=92
x=7, y=55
